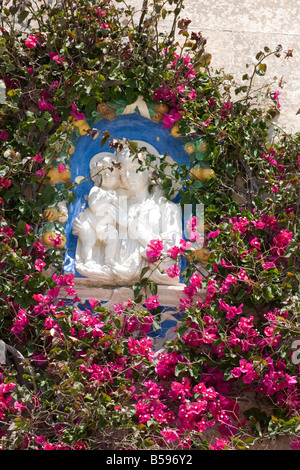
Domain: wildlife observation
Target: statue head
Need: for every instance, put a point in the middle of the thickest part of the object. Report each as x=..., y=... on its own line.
x=103, y=172
x=133, y=180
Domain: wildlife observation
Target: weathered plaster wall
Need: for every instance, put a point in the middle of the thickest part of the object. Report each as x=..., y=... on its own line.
x=237, y=29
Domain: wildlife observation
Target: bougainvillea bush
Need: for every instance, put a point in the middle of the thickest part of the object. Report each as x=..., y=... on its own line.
x=89, y=378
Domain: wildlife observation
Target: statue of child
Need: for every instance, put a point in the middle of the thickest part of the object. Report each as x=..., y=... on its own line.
x=98, y=221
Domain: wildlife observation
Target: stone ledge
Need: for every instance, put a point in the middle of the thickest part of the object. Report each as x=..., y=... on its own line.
x=168, y=296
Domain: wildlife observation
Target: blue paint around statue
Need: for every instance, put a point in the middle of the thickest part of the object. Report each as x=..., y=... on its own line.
x=132, y=127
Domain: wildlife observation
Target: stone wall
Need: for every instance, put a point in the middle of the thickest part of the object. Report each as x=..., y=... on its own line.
x=236, y=30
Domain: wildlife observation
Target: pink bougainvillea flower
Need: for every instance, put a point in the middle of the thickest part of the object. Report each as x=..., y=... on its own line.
x=20, y=322
x=93, y=303
x=78, y=116
x=4, y=183
x=19, y=406
x=164, y=93
x=193, y=226
x=145, y=327
x=255, y=243
x=265, y=221
x=45, y=106
x=40, y=173
x=268, y=265
x=211, y=102
x=206, y=123
x=230, y=279
x=31, y=42
x=184, y=245
x=242, y=275
x=78, y=446
x=213, y=234
x=231, y=311
x=154, y=249
x=3, y=135
x=56, y=58
x=268, y=331
x=56, y=117
x=170, y=435
x=227, y=106
x=151, y=302
x=196, y=280
x=192, y=223
x=247, y=369
x=54, y=85
x=99, y=12
x=61, y=168
x=280, y=242
x=299, y=160
x=192, y=95
x=239, y=224
x=56, y=241
x=38, y=158
x=173, y=252
x=295, y=444
x=173, y=271
x=170, y=119
x=132, y=324
x=221, y=444
x=39, y=265
x=275, y=98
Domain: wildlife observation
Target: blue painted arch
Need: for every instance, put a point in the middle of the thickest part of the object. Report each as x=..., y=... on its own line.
x=132, y=127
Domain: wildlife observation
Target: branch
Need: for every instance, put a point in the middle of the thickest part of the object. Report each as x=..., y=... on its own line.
x=253, y=186
x=144, y=11
x=19, y=360
x=297, y=210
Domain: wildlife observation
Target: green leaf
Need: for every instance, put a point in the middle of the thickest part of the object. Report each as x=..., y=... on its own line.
x=3, y=171
x=181, y=330
x=262, y=68
x=22, y=16
x=259, y=55
x=179, y=368
x=241, y=294
x=153, y=288
x=136, y=289
x=267, y=293
x=48, y=195
x=41, y=123
x=104, y=139
x=194, y=371
x=144, y=271
x=70, y=197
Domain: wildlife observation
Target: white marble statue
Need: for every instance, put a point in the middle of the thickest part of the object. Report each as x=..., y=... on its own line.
x=96, y=226
x=121, y=219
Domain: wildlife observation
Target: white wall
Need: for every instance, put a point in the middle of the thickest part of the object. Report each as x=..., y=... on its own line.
x=237, y=29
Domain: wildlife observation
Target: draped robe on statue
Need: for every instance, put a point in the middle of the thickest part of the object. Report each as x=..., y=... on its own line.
x=142, y=217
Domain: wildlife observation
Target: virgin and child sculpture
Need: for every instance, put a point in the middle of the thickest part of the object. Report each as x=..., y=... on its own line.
x=121, y=219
